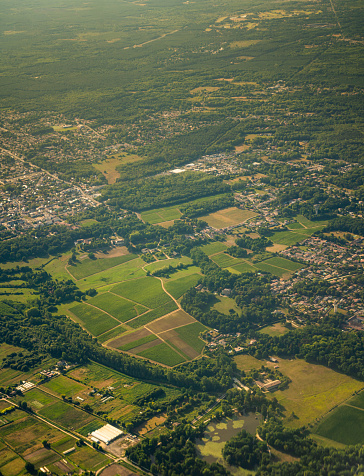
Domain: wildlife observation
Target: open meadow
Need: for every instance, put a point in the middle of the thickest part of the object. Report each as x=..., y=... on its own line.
x=314, y=390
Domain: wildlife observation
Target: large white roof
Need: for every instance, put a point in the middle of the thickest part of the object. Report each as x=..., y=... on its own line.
x=107, y=433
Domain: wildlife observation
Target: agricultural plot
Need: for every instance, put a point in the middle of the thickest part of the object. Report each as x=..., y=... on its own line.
x=62, y=385
x=152, y=315
x=176, y=319
x=224, y=260
x=159, y=215
x=177, y=287
x=146, y=291
x=68, y=416
x=116, y=331
x=130, y=270
x=213, y=248
x=89, y=266
x=357, y=401
x=174, y=262
x=228, y=217
x=130, y=338
x=279, y=266
x=94, y=320
x=190, y=335
x=120, y=308
x=163, y=354
x=243, y=267
x=344, y=425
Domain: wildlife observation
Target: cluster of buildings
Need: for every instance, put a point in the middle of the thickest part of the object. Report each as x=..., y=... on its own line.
x=339, y=269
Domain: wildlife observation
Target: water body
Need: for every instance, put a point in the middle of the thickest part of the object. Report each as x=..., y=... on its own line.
x=209, y=448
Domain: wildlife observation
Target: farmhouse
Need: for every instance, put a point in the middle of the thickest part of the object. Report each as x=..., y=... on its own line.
x=106, y=434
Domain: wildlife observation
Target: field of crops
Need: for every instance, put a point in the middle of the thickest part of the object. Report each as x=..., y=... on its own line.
x=92, y=266
x=93, y=319
x=228, y=217
x=146, y=291
x=344, y=425
x=118, y=307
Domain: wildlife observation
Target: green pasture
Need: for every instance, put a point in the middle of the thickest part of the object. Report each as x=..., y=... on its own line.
x=284, y=263
x=89, y=266
x=118, y=307
x=129, y=270
x=178, y=287
x=271, y=269
x=224, y=304
x=276, y=330
x=224, y=260
x=345, y=425
x=37, y=399
x=153, y=314
x=146, y=291
x=94, y=320
x=243, y=267
x=163, y=354
x=190, y=334
x=213, y=248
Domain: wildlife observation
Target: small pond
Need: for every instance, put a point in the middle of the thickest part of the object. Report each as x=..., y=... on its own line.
x=209, y=448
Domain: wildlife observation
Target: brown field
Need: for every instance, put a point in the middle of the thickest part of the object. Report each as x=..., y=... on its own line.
x=172, y=337
x=139, y=334
x=175, y=319
x=243, y=44
x=228, y=217
x=240, y=148
x=276, y=248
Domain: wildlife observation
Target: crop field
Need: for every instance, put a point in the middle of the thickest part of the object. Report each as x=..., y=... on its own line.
x=146, y=291
x=163, y=354
x=159, y=215
x=176, y=319
x=243, y=267
x=177, y=287
x=129, y=270
x=86, y=458
x=116, y=331
x=224, y=260
x=89, y=266
x=279, y=266
x=167, y=262
x=130, y=338
x=190, y=335
x=94, y=320
x=139, y=342
x=345, y=425
x=154, y=314
x=228, y=217
x=213, y=248
x=68, y=416
x=118, y=307
x=62, y=385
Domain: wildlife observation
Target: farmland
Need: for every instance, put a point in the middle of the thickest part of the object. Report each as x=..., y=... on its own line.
x=229, y=217
x=344, y=424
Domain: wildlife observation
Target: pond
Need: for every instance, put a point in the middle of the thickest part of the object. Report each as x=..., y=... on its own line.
x=209, y=448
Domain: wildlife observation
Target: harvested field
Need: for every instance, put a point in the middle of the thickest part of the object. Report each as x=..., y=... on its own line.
x=175, y=319
x=148, y=345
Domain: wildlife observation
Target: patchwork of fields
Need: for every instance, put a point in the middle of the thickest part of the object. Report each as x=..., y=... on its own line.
x=138, y=313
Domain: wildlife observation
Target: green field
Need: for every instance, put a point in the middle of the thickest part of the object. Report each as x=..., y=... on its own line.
x=163, y=354
x=92, y=266
x=174, y=262
x=357, y=401
x=37, y=399
x=224, y=260
x=94, y=320
x=120, y=308
x=243, y=267
x=159, y=215
x=190, y=335
x=62, y=385
x=275, y=330
x=213, y=248
x=224, y=304
x=344, y=425
x=136, y=343
x=116, y=331
x=67, y=416
x=284, y=263
x=153, y=314
x=177, y=287
x=146, y=291
x=129, y=270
